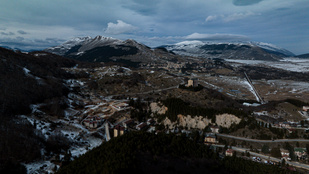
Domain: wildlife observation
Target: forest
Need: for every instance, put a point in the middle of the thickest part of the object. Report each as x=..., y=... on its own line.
x=143, y=152
x=29, y=78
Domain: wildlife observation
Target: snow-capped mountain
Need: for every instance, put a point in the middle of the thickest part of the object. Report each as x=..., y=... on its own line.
x=107, y=49
x=230, y=50
x=83, y=44
x=274, y=49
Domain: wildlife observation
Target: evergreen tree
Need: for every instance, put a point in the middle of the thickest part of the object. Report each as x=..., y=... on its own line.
x=265, y=149
x=275, y=152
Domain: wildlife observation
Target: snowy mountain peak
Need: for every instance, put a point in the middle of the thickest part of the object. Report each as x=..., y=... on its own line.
x=84, y=44
x=79, y=39
x=193, y=42
x=217, y=49
x=273, y=48
x=229, y=50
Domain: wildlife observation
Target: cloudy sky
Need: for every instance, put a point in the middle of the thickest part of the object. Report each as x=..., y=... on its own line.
x=37, y=24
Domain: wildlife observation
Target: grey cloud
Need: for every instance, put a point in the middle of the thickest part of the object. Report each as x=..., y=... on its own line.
x=261, y=20
x=119, y=28
x=217, y=37
x=245, y=2
x=20, y=38
x=55, y=40
x=143, y=7
x=21, y=32
x=7, y=33
x=28, y=44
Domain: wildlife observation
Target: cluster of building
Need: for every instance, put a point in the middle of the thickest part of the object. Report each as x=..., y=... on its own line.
x=210, y=138
x=93, y=122
x=304, y=112
x=97, y=114
x=131, y=125
x=300, y=153
x=198, y=65
x=265, y=116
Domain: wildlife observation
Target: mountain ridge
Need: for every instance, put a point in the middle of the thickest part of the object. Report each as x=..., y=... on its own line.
x=229, y=50
x=103, y=49
x=306, y=56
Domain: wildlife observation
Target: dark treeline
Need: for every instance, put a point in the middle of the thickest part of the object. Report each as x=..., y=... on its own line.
x=20, y=88
x=191, y=88
x=143, y=152
x=297, y=103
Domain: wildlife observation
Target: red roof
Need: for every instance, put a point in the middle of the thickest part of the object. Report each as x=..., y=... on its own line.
x=229, y=150
x=118, y=127
x=128, y=121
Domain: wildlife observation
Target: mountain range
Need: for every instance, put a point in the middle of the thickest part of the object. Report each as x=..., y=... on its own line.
x=230, y=50
x=106, y=49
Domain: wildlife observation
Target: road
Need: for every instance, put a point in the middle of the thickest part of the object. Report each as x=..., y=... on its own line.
x=262, y=141
x=108, y=137
x=267, y=157
x=141, y=93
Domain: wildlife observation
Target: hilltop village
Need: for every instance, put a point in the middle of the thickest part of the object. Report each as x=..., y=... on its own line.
x=112, y=107
x=233, y=109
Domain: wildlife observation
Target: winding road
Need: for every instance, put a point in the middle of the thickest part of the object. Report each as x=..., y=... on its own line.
x=267, y=157
x=262, y=141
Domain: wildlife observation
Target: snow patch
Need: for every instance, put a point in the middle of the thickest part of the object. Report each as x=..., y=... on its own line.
x=26, y=71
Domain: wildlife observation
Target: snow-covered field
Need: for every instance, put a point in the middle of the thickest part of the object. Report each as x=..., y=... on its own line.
x=294, y=86
x=290, y=64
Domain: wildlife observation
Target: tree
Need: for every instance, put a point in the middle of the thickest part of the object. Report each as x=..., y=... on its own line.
x=248, y=154
x=234, y=154
x=307, y=148
x=283, y=162
x=275, y=152
x=290, y=148
x=265, y=149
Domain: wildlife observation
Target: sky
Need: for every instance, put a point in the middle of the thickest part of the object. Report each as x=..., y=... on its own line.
x=38, y=24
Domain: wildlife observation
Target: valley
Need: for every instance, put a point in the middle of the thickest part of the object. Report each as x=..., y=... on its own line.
x=105, y=99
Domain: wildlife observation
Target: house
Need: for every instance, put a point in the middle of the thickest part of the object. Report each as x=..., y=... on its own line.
x=210, y=139
x=214, y=129
x=151, y=129
x=150, y=121
x=285, y=154
x=192, y=82
x=86, y=123
x=300, y=152
x=285, y=125
x=305, y=108
x=118, y=130
x=229, y=152
x=93, y=124
x=141, y=126
x=128, y=123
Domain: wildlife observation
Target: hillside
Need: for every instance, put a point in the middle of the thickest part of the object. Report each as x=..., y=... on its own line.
x=110, y=50
x=30, y=78
x=149, y=153
x=303, y=56
x=245, y=51
x=27, y=79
